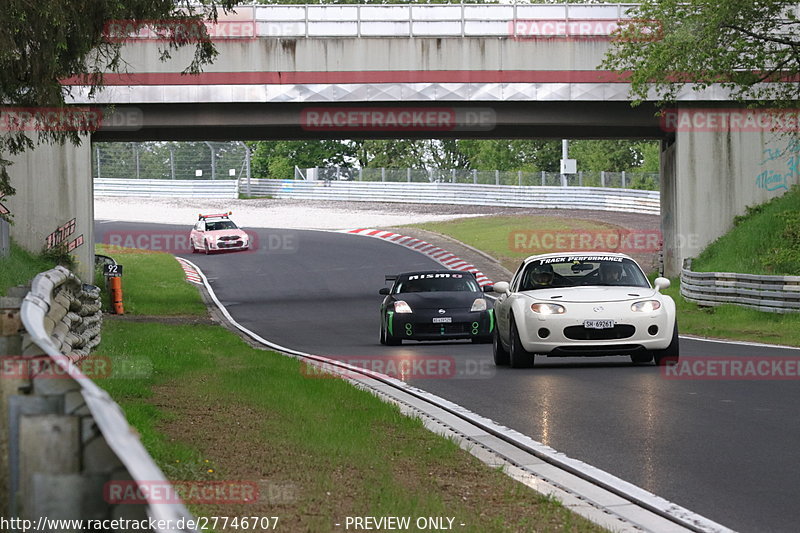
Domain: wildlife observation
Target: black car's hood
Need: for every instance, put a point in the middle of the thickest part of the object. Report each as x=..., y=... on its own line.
x=437, y=300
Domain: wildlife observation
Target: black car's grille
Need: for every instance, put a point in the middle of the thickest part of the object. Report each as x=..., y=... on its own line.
x=438, y=329
x=580, y=333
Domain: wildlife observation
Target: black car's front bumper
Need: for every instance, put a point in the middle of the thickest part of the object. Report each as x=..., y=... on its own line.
x=429, y=324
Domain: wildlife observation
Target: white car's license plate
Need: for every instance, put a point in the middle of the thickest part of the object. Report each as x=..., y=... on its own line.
x=598, y=324
x=442, y=320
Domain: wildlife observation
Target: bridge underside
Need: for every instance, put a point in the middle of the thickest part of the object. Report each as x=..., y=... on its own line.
x=268, y=121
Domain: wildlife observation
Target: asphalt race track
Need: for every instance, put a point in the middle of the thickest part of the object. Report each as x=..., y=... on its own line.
x=728, y=450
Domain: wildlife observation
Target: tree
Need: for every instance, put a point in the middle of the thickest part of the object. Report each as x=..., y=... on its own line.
x=737, y=43
x=45, y=42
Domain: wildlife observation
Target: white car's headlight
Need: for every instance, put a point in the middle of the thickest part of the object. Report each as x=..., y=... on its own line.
x=401, y=307
x=478, y=305
x=646, y=307
x=548, y=309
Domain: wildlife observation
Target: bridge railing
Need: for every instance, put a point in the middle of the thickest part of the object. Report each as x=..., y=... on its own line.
x=436, y=20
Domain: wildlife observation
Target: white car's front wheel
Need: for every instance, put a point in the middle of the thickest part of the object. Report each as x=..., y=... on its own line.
x=670, y=354
x=500, y=354
x=518, y=357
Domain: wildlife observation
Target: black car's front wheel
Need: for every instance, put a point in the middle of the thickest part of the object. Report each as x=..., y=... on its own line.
x=389, y=339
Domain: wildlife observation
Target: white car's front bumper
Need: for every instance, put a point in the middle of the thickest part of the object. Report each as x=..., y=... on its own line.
x=565, y=334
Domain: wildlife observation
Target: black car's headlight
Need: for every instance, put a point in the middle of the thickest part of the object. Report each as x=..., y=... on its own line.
x=401, y=307
x=478, y=305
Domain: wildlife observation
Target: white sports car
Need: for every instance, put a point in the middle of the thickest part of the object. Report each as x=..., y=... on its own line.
x=574, y=304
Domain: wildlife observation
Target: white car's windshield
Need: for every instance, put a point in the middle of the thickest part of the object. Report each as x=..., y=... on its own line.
x=579, y=271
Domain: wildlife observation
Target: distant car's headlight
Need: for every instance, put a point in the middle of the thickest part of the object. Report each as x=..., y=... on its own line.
x=478, y=305
x=401, y=307
x=548, y=309
x=646, y=307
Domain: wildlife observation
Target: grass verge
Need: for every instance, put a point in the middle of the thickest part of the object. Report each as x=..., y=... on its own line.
x=153, y=283
x=734, y=322
x=210, y=407
x=765, y=241
x=20, y=267
x=495, y=235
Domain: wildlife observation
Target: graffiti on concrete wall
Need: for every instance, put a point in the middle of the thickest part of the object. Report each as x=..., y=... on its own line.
x=60, y=237
x=781, y=166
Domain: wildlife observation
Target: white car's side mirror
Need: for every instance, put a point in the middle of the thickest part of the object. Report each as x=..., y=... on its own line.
x=501, y=287
x=661, y=283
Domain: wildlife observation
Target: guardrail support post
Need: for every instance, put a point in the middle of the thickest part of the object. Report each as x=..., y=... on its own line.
x=542, y=178
x=623, y=180
x=49, y=445
x=602, y=178
x=408, y=174
x=10, y=347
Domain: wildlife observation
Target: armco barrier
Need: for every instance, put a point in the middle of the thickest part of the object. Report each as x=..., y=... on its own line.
x=776, y=294
x=63, y=438
x=167, y=188
x=597, y=198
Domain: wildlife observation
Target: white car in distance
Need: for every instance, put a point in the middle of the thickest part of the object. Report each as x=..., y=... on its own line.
x=579, y=304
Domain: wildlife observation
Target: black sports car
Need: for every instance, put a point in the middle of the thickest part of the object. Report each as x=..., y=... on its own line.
x=435, y=305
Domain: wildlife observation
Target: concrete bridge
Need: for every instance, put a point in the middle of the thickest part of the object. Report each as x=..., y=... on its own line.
x=344, y=71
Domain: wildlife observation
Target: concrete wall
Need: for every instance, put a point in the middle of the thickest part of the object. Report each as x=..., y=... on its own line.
x=717, y=175
x=378, y=54
x=54, y=186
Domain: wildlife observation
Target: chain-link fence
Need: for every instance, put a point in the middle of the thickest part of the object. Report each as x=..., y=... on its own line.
x=202, y=160
x=625, y=180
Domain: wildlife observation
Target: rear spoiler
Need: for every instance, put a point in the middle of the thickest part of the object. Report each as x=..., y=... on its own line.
x=391, y=277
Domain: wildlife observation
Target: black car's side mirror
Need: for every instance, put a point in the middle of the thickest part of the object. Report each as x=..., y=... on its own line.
x=384, y=291
x=488, y=288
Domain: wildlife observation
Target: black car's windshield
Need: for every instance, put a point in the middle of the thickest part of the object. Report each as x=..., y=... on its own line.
x=220, y=224
x=438, y=282
x=578, y=271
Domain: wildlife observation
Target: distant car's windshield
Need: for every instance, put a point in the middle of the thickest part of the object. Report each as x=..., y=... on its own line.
x=220, y=224
x=438, y=282
x=581, y=270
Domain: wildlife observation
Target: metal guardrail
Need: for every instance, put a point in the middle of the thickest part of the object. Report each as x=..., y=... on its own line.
x=67, y=437
x=602, y=199
x=427, y=20
x=775, y=294
x=222, y=189
x=620, y=180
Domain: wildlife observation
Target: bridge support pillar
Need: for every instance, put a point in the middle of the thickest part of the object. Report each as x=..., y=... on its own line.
x=709, y=177
x=54, y=201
